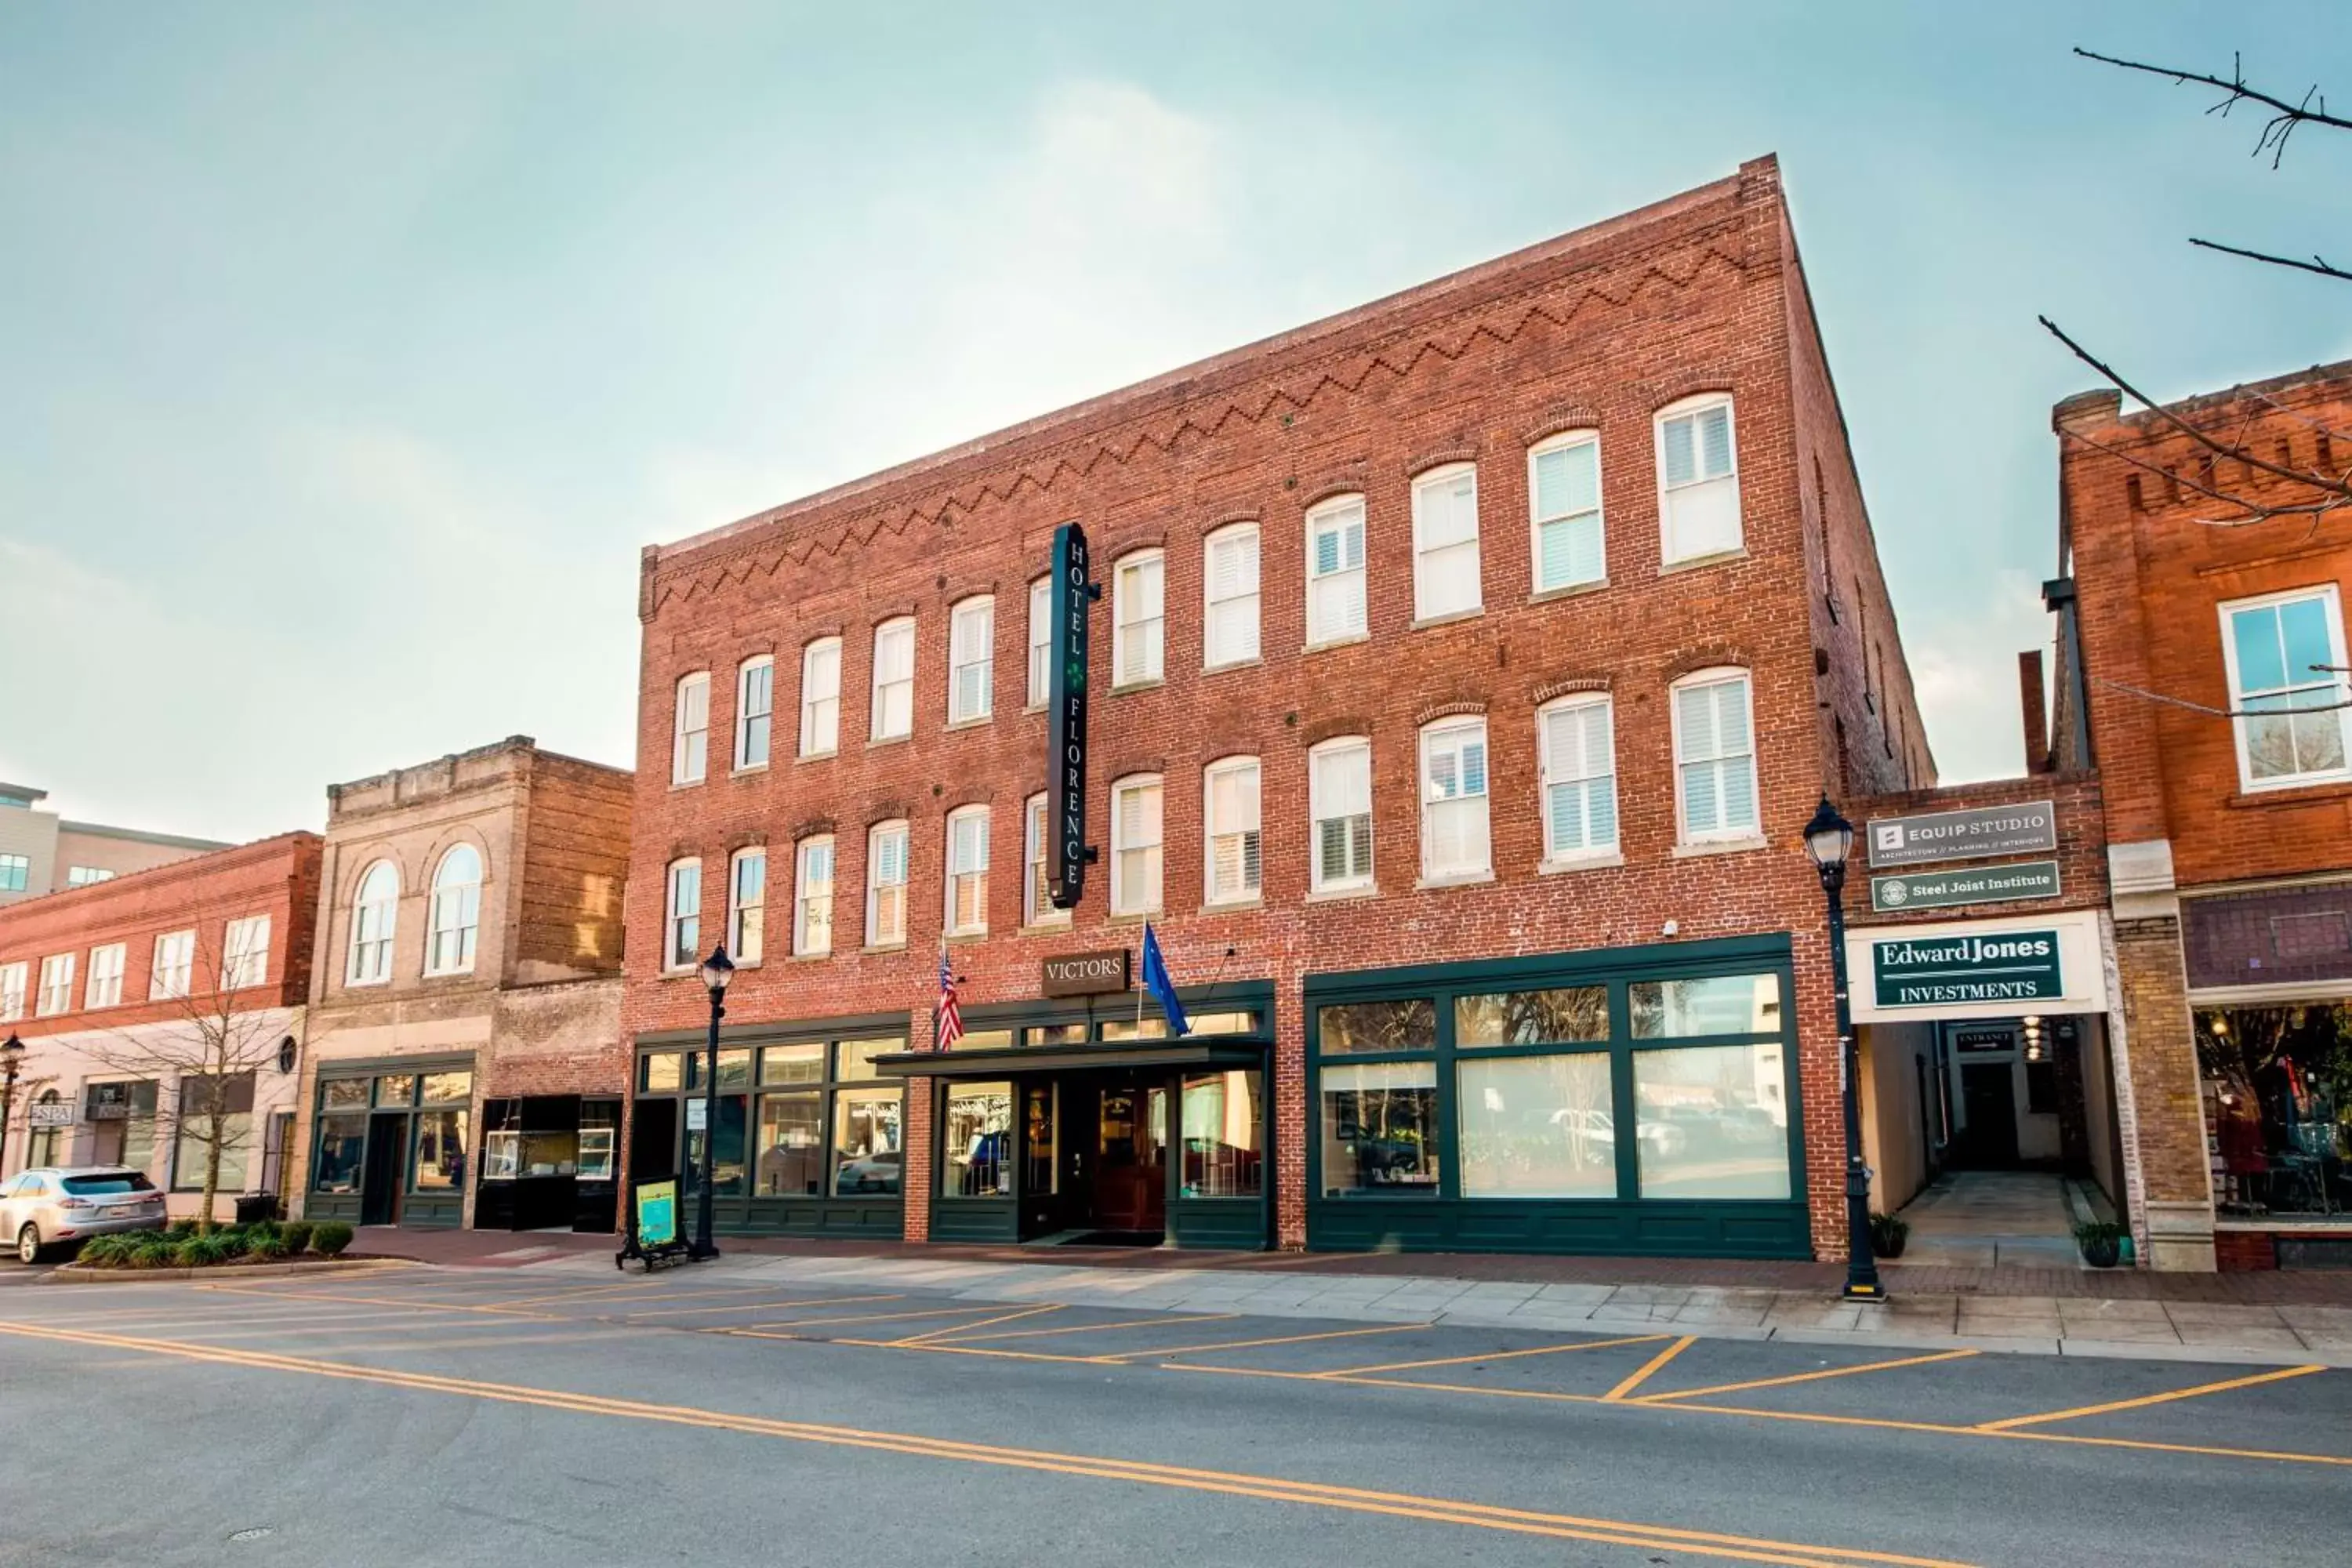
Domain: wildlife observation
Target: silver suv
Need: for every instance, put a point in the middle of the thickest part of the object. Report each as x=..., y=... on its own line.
x=48, y=1203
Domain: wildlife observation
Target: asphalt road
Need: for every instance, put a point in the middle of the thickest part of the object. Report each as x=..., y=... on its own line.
x=525, y=1417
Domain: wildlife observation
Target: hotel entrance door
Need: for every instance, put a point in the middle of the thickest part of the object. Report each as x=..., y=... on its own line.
x=1096, y=1159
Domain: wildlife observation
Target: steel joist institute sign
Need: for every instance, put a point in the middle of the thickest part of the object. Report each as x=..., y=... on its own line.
x=1972, y=885
x=1073, y=594
x=2012, y=966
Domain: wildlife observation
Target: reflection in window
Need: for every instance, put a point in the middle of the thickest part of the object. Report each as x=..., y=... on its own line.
x=854, y=1062
x=792, y=1064
x=1537, y=1127
x=1145, y=1028
x=1362, y=1028
x=978, y=1142
x=442, y=1088
x=792, y=1146
x=1532, y=1017
x=727, y=1161
x=660, y=1073
x=1223, y=1023
x=599, y=1122
x=1379, y=1128
x=867, y=1157
x=1224, y=1129
x=1718, y=1005
x=396, y=1088
x=985, y=1040
x=440, y=1151
x=344, y=1094
x=1054, y=1035
x=342, y=1142
x=1712, y=1122
x=2278, y=1106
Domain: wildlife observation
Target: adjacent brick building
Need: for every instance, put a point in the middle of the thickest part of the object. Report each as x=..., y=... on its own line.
x=41, y=853
x=1466, y=666
x=465, y=1063
x=2202, y=671
x=135, y=996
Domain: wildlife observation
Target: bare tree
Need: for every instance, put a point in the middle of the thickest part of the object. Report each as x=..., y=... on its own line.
x=222, y=1029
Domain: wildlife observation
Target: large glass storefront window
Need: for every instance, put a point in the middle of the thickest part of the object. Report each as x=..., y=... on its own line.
x=214, y=1113
x=868, y=1160
x=976, y=1141
x=1225, y=1129
x=1711, y=1123
x=1379, y=1128
x=1370, y=1029
x=792, y=1146
x=342, y=1141
x=1537, y=1127
x=2278, y=1106
x=819, y=1120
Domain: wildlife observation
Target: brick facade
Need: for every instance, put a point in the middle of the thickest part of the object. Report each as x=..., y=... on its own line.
x=1598, y=330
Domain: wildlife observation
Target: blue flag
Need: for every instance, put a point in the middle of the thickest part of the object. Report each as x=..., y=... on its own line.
x=1162, y=989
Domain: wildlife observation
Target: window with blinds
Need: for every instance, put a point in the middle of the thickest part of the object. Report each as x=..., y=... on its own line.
x=1339, y=803
x=1335, y=570
x=893, y=680
x=1580, y=778
x=1139, y=609
x=1698, y=480
x=1135, y=835
x=755, y=701
x=746, y=906
x=1564, y=490
x=821, y=698
x=1234, y=872
x=1714, y=756
x=967, y=908
x=1229, y=577
x=1445, y=543
x=1041, y=638
x=1453, y=798
x=813, y=896
x=104, y=986
x=886, y=885
x=682, y=936
x=972, y=636
x=1037, y=899
x=690, y=734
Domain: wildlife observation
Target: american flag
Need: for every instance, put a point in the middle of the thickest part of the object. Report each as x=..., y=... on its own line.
x=950, y=1026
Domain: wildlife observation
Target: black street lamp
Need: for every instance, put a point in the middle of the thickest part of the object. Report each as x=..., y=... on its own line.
x=1829, y=838
x=717, y=971
x=12, y=1052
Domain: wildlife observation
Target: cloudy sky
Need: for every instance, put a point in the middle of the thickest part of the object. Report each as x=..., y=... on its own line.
x=352, y=352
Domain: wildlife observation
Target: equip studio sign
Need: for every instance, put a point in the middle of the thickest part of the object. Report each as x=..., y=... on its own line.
x=2010, y=966
x=1970, y=834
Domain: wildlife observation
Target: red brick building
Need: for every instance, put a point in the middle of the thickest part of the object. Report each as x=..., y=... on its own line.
x=1466, y=667
x=2205, y=597
x=122, y=990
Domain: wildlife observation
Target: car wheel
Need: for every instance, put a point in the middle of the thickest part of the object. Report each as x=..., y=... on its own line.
x=29, y=1244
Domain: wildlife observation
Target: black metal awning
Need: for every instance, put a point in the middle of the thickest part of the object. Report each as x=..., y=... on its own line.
x=1004, y=1062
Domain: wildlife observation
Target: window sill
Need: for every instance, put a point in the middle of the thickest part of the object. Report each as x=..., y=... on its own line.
x=1342, y=895
x=889, y=740
x=1700, y=563
x=1567, y=591
x=2300, y=792
x=1720, y=846
x=1454, y=879
x=1043, y=927
x=1028, y=707
x=1350, y=640
x=1134, y=917
x=808, y=957
x=975, y=722
x=1258, y=663
x=691, y=972
x=879, y=947
x=1125, y=687
x=1422, y=623
x=1580, y=863
x=824, y=756
x=1234, y=906
x=965, y=938
x=747, y=770
x=677, y=784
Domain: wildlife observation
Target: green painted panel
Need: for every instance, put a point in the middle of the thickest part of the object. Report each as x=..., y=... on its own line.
x=1235, y=1225
x=969, y=1221
x=1593, y=1229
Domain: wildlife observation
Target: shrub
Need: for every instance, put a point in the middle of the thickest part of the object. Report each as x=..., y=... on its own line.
x=110, y=1251
x=185, y=1225
x=187, y=1253
x=329, y=1239
x=295, y=1235
x=264, y=1245
x=154, y=1249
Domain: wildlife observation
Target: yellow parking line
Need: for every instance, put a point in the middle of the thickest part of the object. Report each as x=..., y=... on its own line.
x=954, y=1347
x=1641, y=1374
x=1654, y=1538
x=1807, y=1376
x=1494, y=1355
x=965, y=1328
x=2202, y=1389
x=957, y=1336
x=1252, y=1345
x=414, y=1305
x=852, y=1318
x=765, y=1306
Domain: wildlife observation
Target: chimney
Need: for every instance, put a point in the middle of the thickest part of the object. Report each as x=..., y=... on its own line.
x=2035, y=711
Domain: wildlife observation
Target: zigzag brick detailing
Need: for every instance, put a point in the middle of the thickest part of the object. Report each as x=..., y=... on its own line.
x=1280, y=533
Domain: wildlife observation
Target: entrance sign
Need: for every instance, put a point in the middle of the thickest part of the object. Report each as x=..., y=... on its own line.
x=1073, y=596
x=1971, y=835
x=1984, y=1040
x=698, y=1115
x=2012, y=966
x=1979, y=885
x=1088, y=973
x=657, y=1214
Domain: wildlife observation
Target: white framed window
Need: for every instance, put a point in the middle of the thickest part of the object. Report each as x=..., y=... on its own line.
x=1564, y=510
x=1335, y=570
x=375, y=915
x=1037, y=904
x=1234, y=871
x=813, y=896
x=57, y=985
x=886, y=885
x=88, y=875
x=1139, y=617
x=894, y=680
x=689, y=754
x=455, y=916
x=1041, y=638
x=755, y=708
x=820, y=696
x=747, y=905
x=1229, y=596
x=682, y=916
x=967, y=879
x=104, y=987
x=1577, y=742
x=245, y=953
x=971, y=650
x=1454, y=838
x=1714, y=756
x=1698, y=479
x=1445, y=543
x=1136, y=823
x=12, y=991
x=2284, y=655
x=174, y=973
x=1340, y=803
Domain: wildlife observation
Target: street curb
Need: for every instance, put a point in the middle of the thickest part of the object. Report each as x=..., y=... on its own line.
x=78, y=1274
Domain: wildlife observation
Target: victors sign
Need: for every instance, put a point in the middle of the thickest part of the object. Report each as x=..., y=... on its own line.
x=1970, y=835
x=2012, y=966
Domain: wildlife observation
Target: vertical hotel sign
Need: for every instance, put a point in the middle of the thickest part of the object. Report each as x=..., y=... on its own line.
x=1073, y=594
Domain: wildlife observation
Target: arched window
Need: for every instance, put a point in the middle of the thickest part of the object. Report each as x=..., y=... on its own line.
x=375, y=914
x=456, y=912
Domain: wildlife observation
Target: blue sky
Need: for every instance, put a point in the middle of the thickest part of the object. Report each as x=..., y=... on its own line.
x=354, y=352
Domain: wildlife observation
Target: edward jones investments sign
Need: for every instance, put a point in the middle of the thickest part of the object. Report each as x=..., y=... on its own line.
x=2012, y=966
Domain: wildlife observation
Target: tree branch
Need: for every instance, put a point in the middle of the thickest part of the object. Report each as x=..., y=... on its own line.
x=2318, y=264
x=2220, y=712
x=2275, y=130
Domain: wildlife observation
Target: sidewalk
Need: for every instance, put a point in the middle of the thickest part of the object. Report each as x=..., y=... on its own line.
x=2203, y=1317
